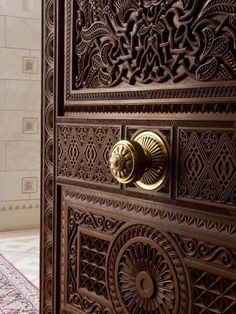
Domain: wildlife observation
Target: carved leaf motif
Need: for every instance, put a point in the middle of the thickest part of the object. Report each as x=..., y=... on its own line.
x=85, y=6
x=209, y=37
x=104, y=78
x=126, y=7
x=82, y=50
x=136, y=43
x=224, y=73
x=98, y=29
x=219, y=7
x=104, y=53
x=96, y=61
x=207, y=70
x=219, y=46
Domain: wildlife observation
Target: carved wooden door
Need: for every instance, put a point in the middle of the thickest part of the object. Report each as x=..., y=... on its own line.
x=146, y=225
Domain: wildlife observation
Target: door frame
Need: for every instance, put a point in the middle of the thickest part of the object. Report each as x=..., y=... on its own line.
x=47, y=225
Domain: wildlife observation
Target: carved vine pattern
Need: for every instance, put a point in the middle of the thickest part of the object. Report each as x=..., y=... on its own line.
x=207, y=252
x=154, y=41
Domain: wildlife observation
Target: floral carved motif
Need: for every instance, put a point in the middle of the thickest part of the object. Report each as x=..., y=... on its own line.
x=153, y=41
x=145, y=274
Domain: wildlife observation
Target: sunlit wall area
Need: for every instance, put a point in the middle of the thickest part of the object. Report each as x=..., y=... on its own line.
x=20, y=53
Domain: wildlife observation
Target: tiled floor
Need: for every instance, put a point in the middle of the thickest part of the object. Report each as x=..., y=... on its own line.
x=21, y=248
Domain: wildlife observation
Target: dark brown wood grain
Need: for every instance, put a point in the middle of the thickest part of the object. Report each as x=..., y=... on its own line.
x=112, y=69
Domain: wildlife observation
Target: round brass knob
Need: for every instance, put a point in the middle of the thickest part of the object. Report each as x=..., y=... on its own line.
x=143, y=160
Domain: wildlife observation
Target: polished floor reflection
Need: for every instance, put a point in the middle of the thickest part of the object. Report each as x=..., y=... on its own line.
x=21, y=248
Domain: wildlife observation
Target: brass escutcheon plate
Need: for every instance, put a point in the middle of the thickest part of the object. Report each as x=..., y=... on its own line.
x=157, y=152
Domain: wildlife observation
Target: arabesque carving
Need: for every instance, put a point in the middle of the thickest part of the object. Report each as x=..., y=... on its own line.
x=205, y=251
x=153, y=41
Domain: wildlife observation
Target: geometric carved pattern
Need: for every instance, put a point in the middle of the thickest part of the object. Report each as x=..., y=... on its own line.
x=92, y=264
x=212, y=294
x=207, y=165
x=153, y=41
x=83, y=152
x=175, y=218
x=145, y=274
x=86, y=255
x=162, y=108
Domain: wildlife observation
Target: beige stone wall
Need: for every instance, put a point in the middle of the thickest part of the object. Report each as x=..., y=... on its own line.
x=20, y=73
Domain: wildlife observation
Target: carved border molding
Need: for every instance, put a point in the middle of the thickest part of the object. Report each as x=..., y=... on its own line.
x=47, y=184
x=165, y=215
x=198, y=92
x=153, y=108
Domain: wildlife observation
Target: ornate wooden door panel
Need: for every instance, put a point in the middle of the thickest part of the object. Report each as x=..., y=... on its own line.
x=112, y=70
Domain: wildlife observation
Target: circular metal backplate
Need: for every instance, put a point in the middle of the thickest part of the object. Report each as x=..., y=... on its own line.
x=158, y=156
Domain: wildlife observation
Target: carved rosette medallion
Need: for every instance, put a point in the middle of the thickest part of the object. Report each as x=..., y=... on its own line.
x=145, y=274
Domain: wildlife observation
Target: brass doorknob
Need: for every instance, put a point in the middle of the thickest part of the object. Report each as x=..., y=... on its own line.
x=143, y=160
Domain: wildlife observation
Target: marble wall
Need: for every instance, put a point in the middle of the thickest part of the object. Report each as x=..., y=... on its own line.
x=20, y=50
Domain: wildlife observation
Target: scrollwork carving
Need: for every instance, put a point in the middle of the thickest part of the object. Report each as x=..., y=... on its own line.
x=95, y=221
x=154, y=42
x=204, y=251
x=88, y=306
